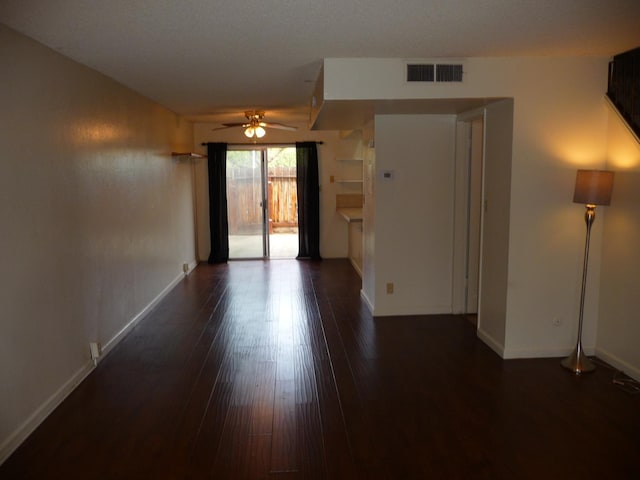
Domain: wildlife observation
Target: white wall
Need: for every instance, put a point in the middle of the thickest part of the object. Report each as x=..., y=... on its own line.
x=413, y=214
x=559, y=125
x=494, y=254
x=619, y=323
x=96, y=222
x=333, y=229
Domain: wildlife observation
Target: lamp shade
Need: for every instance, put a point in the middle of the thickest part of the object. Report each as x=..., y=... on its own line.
x=593, y=187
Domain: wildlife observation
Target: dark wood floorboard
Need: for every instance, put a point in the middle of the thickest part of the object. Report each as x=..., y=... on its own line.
x=276, y=370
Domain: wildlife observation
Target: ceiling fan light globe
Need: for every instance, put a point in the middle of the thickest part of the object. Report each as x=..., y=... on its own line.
x=249, y=132
x=259, y=131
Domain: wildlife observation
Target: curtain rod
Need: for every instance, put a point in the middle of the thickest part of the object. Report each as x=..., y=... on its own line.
x=204, y=144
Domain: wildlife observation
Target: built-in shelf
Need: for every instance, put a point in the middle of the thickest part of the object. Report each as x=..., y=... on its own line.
x=350, y=175
x=350, y=214
x=186, y=155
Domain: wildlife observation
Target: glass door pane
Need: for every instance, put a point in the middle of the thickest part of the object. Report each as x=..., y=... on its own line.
x=245, y=200
x=283, y=202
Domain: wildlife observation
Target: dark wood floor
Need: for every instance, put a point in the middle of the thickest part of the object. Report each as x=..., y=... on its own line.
x=276, y=370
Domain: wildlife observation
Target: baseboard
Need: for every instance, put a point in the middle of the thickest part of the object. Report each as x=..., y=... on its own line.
x=491, y=342
x=108, y=346
x=190, y=267
x=410, y=311
x=404, y=311
x=366, y=301
x=30, y=424
x=558, y=352
x=618, y=363
x=355, y=266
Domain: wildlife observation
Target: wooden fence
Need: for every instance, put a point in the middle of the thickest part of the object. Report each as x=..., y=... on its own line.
x=244, y=212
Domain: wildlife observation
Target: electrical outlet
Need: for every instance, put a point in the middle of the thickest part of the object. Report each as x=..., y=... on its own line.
x=95, y=349
x=185, y=268
x=390, y=288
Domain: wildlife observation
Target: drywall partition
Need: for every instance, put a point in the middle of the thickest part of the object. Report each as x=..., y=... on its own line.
x=413, y=213
x=619, y=321
x=494, y=263
x=559, y=125
x=96, y=218
x=368, y=214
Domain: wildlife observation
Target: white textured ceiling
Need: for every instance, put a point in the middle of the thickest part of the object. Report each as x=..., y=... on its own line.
x=212, y=59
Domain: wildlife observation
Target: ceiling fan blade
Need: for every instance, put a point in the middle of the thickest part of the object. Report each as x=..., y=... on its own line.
x=230, y=125
x=255, y=119
x=279, y=126
x=242, y=124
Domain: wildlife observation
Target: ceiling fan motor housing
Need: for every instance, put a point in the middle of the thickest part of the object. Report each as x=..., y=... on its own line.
x=254, y=116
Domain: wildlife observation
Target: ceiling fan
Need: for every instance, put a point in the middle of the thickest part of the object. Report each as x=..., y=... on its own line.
x=255, y=126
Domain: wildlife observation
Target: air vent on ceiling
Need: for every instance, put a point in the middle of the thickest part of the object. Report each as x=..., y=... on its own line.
x=420, y=73
x=448, y=73
x=429, y=72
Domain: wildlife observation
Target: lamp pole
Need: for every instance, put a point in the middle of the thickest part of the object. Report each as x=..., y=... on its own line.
x=578, y=362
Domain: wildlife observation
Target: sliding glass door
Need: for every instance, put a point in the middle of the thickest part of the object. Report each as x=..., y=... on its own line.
x=245, y=196
x=262, y=203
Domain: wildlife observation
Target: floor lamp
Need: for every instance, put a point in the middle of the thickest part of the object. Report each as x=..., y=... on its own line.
x=593, y=187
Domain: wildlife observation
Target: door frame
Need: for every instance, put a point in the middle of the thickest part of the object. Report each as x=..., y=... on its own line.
x=263, y=150
x=468, y=211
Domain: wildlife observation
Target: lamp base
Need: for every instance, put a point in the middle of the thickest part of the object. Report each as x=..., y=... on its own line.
x=578, y=363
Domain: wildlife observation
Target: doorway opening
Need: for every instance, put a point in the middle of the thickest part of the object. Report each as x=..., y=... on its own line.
x=262, y=202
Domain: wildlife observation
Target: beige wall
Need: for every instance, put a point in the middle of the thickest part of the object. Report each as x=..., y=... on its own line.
x=333, y=229
x=96, y=218
x=494, y=263
x=413, y=214
x=619, y=323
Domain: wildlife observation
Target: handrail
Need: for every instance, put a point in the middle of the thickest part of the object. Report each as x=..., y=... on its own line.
x=623, y=89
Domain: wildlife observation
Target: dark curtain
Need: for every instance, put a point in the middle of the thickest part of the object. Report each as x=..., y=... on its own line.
x=218, y=221
x=308, y=200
